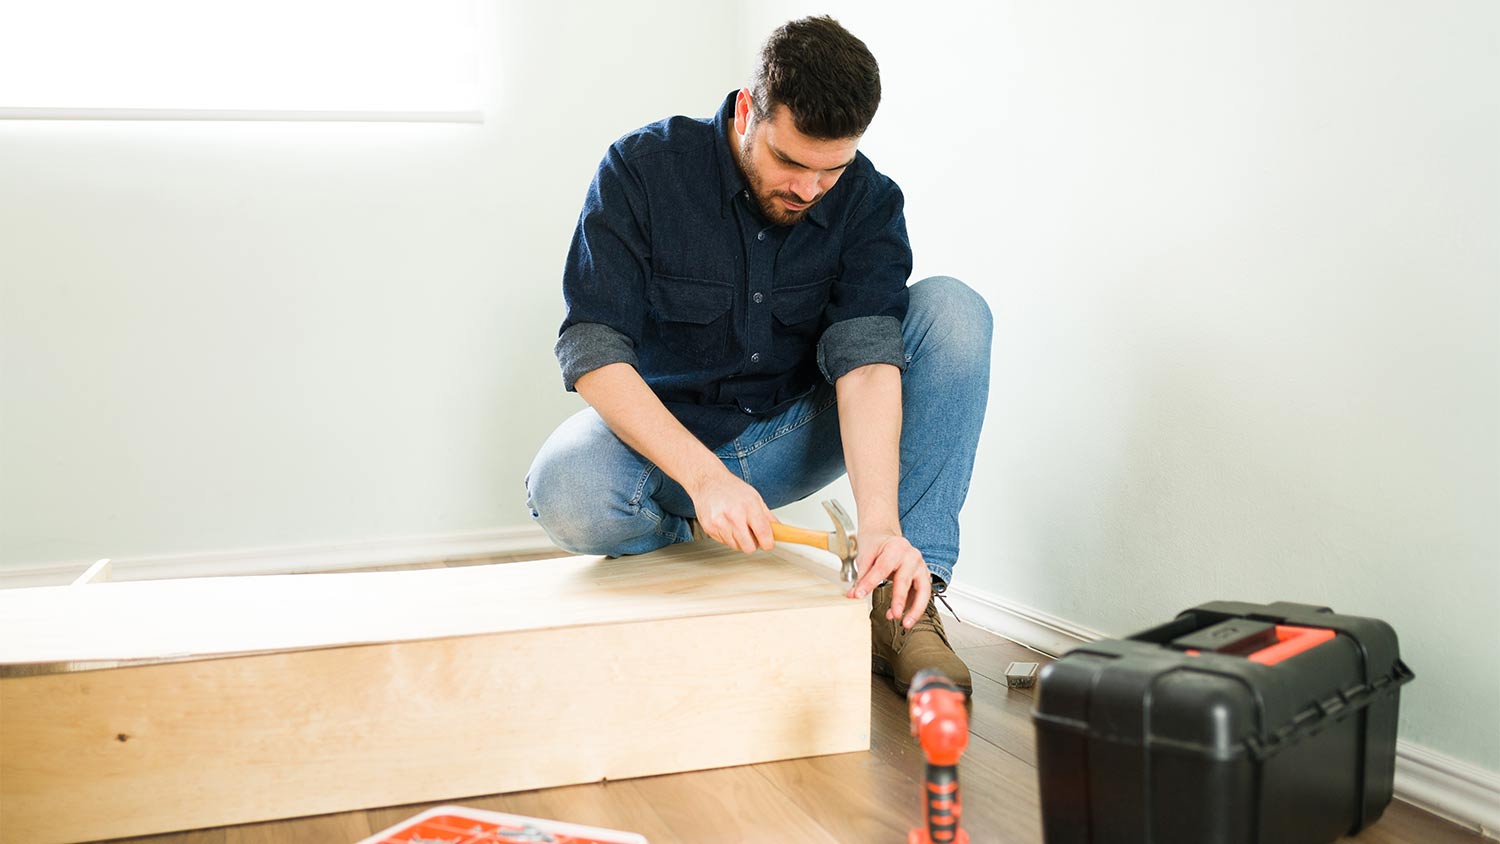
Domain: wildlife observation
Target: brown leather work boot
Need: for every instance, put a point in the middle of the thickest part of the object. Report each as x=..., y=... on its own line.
x=899, y=653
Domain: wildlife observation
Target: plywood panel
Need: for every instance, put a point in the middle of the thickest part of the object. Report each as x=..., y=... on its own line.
x=226, y=615
x=129, y=751
x=765, y=663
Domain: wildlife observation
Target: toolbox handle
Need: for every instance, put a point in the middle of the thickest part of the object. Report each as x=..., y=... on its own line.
x=1290, y=642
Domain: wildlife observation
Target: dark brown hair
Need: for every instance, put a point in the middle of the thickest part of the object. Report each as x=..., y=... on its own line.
x=825, y=76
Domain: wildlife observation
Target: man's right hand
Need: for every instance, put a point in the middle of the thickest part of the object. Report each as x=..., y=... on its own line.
x=729, y=510
x=732, y=512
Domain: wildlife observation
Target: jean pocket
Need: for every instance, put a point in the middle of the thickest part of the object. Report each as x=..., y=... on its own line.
x=692, y=314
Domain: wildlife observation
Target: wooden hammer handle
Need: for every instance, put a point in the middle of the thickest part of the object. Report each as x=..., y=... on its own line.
x=801, y=536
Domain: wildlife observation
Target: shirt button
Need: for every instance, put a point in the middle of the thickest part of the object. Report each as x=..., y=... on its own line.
x=761, y=236
x=755, y=357
x=758, y=298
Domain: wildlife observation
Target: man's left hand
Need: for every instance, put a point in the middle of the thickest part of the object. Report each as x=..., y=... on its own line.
x=886, y=556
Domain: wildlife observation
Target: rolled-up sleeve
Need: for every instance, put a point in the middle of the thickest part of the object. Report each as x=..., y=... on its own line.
x=846, y=346
x=868, y=301
x=604, y=281
x=586, y=346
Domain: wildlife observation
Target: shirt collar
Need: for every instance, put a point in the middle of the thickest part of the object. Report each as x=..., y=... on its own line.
x=731, y=181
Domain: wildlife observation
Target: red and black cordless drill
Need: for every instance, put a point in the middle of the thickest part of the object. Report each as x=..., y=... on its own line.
x=941, y=723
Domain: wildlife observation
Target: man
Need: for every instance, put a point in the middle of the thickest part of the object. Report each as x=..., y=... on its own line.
x=732, y=281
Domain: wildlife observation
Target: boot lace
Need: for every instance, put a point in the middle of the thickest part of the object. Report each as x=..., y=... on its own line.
x=929, y=622
x=940, y=597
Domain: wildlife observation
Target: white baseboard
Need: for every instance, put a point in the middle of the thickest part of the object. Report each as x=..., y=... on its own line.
x=295, y=558
x=1463, y=793
x=1448, y=787
x=1033, y=628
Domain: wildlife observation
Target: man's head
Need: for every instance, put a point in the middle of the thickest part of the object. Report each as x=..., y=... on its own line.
x=798, y=125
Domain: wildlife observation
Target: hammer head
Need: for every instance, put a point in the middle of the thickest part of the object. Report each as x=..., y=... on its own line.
x=841, y=540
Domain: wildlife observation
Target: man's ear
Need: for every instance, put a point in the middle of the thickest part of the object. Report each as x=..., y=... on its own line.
x=743, y=105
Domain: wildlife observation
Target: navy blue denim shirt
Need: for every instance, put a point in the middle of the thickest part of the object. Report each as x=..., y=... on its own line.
x=726, y=316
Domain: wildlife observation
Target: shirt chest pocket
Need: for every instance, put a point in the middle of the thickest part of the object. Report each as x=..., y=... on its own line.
x=799, y=309
x=692, y=314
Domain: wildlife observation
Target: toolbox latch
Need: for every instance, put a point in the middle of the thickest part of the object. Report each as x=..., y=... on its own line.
x=1313, y=718
x=1257, y=641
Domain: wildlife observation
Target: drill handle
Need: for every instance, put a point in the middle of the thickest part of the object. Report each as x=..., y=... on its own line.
x=943, y=807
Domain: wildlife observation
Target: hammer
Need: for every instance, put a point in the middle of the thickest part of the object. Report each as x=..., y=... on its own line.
x=840, y=540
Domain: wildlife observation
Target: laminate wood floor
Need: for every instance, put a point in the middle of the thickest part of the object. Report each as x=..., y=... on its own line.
x=858, y=797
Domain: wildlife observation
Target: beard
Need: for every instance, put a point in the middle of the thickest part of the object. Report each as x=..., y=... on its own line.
x=772, y=209
x=769, y=201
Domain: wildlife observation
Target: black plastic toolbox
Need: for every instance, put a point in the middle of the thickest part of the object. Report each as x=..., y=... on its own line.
x=1234, y=724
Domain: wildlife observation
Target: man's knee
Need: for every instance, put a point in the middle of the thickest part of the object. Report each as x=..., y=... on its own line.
x=955, y=316
x=574, y=493
x=565, y=495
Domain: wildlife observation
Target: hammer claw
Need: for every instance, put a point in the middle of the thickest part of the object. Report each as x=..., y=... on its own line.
x=841, y=540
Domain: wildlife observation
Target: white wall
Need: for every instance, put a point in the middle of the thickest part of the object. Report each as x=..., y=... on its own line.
x=220, y=336
x=1245, y=262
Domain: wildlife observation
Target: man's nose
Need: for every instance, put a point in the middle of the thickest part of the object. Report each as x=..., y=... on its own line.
x=806, y=187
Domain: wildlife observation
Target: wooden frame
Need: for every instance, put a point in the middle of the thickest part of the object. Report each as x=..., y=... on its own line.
x=693, y=657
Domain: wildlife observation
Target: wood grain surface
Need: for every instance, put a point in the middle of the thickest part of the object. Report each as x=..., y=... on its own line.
x=206, y=616
x=777, y=671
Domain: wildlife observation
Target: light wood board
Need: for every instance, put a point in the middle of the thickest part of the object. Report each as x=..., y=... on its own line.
x=771, y=663
x=227, y=615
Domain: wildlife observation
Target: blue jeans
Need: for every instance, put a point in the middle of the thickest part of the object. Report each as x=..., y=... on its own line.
x=593, y=494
